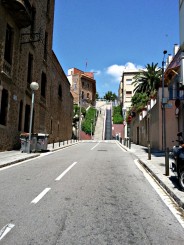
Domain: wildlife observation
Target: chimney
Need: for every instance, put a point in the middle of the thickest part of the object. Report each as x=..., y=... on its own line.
x=176, y=48
x=169, y=59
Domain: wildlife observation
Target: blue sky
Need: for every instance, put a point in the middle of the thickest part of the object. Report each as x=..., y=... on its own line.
x=112, y=35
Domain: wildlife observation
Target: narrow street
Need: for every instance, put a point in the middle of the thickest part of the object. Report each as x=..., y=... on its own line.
x=90, y=193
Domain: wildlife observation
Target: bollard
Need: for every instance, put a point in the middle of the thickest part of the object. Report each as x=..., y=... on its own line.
x=63, y=142
x=129, y=143
x=124, y=142
x=149, y=151
x=167, y=162
x=53, y=144
x=67, y=142
x=59, y=143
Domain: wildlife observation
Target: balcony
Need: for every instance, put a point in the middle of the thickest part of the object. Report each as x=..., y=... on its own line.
x=6, y=69
x=20, y=10
x=176, y=93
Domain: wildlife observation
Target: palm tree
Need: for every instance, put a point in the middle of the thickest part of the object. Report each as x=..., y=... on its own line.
x=148, y=79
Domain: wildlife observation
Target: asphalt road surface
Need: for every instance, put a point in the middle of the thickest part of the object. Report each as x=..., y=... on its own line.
x=90, y=193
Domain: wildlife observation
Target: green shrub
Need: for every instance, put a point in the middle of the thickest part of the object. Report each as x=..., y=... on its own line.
x=117, y=115
x=90, y=116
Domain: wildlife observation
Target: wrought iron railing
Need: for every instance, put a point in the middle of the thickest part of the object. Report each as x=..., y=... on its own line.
x=176, y=93
x=7, y=68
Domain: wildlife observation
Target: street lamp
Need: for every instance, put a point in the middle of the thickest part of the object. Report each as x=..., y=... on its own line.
x=164, y=101
x=124, y=121
x=34, y=86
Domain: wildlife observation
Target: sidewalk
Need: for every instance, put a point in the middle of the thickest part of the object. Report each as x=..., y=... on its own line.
x=11, y=157
x=156, y=166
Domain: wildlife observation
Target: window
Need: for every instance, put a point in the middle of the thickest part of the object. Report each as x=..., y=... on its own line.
x=8, y=44
x=27, y=118
x=4, y=107
x=129, y=81
x=75, y=86
x=129, y=93
x=30, y=69
x=87, y=95
x=43, y=84
x=33, y=22
x=82, y=95
x=45, y=46
x=60, y=91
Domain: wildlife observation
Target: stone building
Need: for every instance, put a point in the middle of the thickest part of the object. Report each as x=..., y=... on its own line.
x=25, y=56
x=82, y=83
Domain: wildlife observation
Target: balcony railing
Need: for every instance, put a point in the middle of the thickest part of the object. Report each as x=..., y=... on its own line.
x=20, y=10
x=6, y=68
x=176, y=93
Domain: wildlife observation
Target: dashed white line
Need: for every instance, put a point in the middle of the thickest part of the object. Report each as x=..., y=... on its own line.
x=95, y=146
x=63, y=174
x=4, y=231
x=170, y=203
x=42, y=194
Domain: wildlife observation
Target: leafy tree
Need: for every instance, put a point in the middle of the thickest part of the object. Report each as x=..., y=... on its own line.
x=110, y=96
x=139, y=100
x=148, y=79
x=97, y=96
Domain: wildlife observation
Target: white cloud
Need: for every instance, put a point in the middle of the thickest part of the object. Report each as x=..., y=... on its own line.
x=116, y=71
x=96, y=72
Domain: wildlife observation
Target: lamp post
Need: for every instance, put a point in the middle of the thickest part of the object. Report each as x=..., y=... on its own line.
x=163, y=106
x=124, y=121
x=164, y=102
x=34, y=86
x=80, y=95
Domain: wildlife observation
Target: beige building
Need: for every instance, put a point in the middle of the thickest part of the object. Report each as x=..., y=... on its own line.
x=126, y=91
x=82, y=83
x=25, y=56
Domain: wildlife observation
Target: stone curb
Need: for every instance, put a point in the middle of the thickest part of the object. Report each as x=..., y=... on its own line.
x=18, y=160
x=158, y=178
x=33, y=156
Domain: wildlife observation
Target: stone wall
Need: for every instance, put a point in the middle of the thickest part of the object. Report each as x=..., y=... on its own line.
x=52, y=113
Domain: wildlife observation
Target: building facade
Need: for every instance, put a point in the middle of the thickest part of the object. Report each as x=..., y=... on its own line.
x=83, y=86
x=25, y=56
x=126, y=91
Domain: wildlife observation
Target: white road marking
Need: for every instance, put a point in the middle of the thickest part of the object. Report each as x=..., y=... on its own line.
x=42, y=194
x=68, y=169
x=120, y=146
x=170, y=203
x=4, y=231
x=95, y=146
